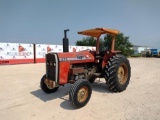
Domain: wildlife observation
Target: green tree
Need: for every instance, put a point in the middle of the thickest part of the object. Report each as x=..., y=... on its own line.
x=122, y=43
x=90, y=41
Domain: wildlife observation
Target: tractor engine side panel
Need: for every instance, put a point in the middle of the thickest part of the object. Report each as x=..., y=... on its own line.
x=63, y=72
x=67, y=59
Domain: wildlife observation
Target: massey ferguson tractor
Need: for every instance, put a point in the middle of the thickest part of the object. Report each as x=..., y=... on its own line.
x=82, y=68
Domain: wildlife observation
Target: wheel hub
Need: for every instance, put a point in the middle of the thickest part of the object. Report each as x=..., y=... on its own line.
x=49, y=83
x=123, y=73
x=82, y=94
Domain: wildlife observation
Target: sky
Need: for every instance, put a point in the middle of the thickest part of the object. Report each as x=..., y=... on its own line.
x=44, y=21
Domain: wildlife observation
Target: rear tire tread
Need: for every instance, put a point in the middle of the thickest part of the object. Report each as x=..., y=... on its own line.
x=111, y=73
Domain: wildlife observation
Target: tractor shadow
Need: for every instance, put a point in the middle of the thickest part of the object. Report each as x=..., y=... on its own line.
x=63, y=93
x=60, y=93
x=100, y=86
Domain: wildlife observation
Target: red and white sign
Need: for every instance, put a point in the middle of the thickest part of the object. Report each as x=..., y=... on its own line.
x=12, y=53
x=54, y=48
x=41, y=51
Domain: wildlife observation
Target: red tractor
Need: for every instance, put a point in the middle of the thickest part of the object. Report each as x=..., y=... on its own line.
x=82, y=68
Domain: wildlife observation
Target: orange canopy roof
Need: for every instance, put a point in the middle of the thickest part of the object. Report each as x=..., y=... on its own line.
x=98, y=31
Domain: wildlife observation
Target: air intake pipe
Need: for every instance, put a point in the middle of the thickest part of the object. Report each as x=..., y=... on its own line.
x=65, y=42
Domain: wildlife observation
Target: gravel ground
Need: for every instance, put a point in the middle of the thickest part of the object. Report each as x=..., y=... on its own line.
x=22, y=99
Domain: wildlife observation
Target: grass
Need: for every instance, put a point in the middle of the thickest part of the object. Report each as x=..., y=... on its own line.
x=136, y=55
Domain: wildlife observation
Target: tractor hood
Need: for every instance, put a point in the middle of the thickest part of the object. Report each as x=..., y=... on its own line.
x=76, y=57
x=98, y=31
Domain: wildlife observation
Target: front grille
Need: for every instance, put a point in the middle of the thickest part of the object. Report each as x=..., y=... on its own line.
x=51, y=66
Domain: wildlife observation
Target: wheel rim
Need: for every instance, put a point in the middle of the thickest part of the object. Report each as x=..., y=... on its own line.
x=122, y=73
x=49, y=87
x=82, y=94
x=48, y=84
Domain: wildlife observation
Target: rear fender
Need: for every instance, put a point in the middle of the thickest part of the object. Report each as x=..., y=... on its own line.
x=108, y=55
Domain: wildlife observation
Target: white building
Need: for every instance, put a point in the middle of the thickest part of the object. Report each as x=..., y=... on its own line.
x=138, y=49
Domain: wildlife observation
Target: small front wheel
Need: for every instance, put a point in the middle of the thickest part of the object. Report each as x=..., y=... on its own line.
x=80, y=93
x=46, y=88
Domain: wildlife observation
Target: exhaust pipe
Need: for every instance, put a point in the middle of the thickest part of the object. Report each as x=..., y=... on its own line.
x=65, y=42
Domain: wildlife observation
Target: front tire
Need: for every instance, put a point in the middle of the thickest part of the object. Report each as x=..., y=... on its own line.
x=45, y=88
x=117, y=73
x=80, y=93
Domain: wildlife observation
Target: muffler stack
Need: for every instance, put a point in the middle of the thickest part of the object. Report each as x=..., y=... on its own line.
x=65, y=42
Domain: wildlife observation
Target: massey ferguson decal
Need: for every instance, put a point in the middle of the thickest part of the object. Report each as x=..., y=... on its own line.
x=79, y=57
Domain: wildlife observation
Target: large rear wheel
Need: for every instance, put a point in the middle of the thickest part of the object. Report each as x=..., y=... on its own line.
x=117, y=73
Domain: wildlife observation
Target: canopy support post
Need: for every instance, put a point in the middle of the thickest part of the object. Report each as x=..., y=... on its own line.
x=97, y=46
x=113, y=42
